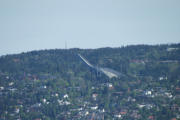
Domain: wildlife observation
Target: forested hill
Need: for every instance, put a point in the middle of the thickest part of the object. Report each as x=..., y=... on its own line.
x=61, y=60
x=57, y=84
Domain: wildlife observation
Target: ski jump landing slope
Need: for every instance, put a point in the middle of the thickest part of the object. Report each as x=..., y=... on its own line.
x=107, y=71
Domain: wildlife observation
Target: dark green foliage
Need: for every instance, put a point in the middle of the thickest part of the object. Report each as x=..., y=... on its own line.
x=57, y=85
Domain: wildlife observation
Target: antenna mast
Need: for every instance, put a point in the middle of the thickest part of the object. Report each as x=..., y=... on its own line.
x=65, y=44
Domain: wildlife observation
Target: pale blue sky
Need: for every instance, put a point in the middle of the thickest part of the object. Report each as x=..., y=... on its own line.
x=27, y=25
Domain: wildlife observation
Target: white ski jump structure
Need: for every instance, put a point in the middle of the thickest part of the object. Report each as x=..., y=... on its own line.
x=107, y=71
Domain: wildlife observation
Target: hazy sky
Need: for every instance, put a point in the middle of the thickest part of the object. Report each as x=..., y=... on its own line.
x=27, y=25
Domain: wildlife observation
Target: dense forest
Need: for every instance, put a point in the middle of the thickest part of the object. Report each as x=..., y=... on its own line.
x=57, y=85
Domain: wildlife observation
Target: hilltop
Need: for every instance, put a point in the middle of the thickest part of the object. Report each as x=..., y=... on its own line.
x=57, y=84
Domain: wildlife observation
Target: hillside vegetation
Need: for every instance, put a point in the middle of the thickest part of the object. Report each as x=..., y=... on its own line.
x=57, y=85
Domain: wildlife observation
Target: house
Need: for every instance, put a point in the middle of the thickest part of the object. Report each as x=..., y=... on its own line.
x=141, y=105
x=118, y=116
x=7, y=77
x=94, y=108
x=17, y=110
x=36, y=105
x=67, y=103
x=1, y=88
x=56, y=94
x=61, y=102
x=44, y=86
x=162, y=78
x=11, y=83
x=66, y=96
x=123, y=112
x=151, y=117
x=44, y=100
x=12, y=89
x=86, y=113
x=171, y=49
x=169, y=95
x=94, y=96
x=148, y=92
x=110, y=85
